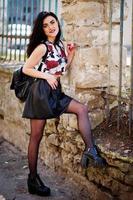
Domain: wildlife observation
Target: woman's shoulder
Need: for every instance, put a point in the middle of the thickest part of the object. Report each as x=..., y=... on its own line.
x=41, y=49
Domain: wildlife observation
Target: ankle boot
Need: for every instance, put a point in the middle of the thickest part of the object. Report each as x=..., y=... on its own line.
x=36, y=186
x=91, y=157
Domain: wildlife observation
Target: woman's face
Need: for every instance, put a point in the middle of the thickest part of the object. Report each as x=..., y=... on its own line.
x=50, y=27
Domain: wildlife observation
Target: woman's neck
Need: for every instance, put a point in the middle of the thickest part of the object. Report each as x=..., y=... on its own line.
x=52, y=40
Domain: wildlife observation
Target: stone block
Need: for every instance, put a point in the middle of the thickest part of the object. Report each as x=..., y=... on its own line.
x=129, y=179
x=67, y=159
x=51, y=156
x=96, y=117
x=88, y=97
x=51, y=126
x=70, y=147
x=53, y=139
x=79, y=142
x=93, y=56
x=76, y=159
x=73, y=121
x=16, y=134
x=64, y=119
x=123, y=166
x=91, y=14
x=95, y=77
x=100, y=37
x=99, y=56
x=68, y=2
x=116, y=174
x=115, y=56
x=81, y=35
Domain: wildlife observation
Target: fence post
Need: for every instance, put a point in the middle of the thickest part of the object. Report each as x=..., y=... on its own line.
x=120, y=62
x=131, y=82
x=109, y=56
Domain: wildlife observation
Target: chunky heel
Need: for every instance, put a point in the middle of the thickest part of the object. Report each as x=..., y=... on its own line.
x=84, y=161
x=91, y=157
x=31, y=189
x=36, y=186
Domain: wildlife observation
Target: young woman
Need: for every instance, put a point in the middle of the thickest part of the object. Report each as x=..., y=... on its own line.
x=46, y=100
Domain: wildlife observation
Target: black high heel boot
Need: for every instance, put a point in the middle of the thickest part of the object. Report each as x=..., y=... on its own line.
x=36, y=186
x=91, y=157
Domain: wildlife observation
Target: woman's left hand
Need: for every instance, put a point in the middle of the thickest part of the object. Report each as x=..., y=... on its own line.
x=71, y=47
x=71, y=52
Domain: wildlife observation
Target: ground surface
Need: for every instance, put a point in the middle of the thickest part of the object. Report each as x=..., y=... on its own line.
x=13, y=177
x=13, y=164
x=115, y=140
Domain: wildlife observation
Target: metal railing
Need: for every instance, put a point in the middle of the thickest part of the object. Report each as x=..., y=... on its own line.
x=131, y=82
x=16, y=20
x=120, y=99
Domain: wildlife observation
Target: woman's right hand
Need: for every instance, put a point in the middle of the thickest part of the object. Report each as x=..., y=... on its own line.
x=52, y=81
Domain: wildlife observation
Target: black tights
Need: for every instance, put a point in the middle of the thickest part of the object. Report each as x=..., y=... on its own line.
x=37, y=127
x=83, y=121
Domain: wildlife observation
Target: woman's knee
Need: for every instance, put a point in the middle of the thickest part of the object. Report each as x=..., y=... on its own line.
x=82, y=109
x=37, y=127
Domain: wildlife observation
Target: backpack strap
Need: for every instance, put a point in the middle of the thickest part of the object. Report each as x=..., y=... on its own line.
x=61, y=45
x=45, y=56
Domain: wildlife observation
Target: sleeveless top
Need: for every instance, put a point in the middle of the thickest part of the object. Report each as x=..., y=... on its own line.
x=43, y=102
x=56, y=60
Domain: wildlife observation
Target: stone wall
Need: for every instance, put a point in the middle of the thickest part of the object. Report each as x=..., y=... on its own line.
x=61, y=148
x=86, y=24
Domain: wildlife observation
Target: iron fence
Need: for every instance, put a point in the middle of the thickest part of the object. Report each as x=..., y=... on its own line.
x=128, y=100
x=16, y=20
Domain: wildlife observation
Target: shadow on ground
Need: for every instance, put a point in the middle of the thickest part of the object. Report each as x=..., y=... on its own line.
x=13, y=177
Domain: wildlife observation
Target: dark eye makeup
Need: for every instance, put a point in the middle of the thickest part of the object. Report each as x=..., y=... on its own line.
x=51, y=22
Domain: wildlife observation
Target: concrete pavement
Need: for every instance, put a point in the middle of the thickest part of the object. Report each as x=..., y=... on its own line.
x=13, y=177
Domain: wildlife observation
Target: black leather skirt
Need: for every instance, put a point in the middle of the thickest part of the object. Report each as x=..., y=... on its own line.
x=43, y=102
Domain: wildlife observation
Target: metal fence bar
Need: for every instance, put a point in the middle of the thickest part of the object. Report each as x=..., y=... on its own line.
x=109, y=56
x=49, y=6
x=26, y=21
x=2, y=42
x=11, y=17
x=21, y=21
x=32, y=10
x=120, y=62
x=15, y=54
x=131, y=83
x=38, y=6
x=56, y=6
x=6, y=53
x=43, y=5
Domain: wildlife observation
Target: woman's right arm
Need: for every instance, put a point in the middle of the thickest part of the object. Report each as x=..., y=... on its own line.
x=33, y=60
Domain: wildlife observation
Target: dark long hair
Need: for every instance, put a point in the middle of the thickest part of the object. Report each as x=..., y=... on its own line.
x=38, y=36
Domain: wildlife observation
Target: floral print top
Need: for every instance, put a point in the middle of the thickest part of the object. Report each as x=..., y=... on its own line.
x=56, y=60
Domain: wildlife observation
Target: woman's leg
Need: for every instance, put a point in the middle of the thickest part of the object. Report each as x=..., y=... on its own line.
x=83, y=121
x=35, y=184
x=91, y=151
x=37, y=127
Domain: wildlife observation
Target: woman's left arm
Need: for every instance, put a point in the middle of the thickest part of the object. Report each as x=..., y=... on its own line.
x=70, y=54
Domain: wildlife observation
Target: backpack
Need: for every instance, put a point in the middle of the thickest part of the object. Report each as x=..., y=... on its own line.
x=21, y=82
